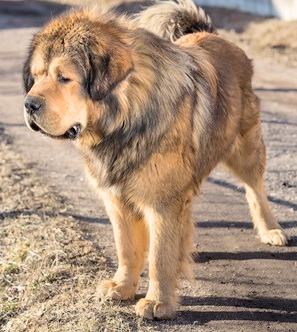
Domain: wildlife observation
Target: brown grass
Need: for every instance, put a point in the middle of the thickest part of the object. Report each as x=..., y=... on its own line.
x=274, y=38
x=49, y=270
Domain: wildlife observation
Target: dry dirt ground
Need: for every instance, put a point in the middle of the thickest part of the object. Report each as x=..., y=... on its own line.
x=56, y=243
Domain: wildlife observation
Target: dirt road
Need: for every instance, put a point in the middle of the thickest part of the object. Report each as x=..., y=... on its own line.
x=241, y=284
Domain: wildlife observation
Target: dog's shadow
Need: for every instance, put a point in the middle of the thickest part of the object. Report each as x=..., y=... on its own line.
x=262, y=309
x=207, y=256
x=257, y=309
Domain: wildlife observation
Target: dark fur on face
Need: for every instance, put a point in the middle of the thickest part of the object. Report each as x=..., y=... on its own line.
x=106, y=73
x=28, y=80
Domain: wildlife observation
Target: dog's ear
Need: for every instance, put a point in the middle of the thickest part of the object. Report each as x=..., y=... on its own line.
x=28, y=79
x=107, y=71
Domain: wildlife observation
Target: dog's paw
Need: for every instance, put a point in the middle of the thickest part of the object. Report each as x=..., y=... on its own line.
x=110, y=289
x=149, y=309
x=275, y=237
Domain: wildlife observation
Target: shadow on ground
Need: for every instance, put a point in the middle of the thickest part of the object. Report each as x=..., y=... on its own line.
x=233, y=187
x=28, y=213
x=263, y=309
x=203, y=317
x=239, y=224
x=270, y=303
x=203, y=256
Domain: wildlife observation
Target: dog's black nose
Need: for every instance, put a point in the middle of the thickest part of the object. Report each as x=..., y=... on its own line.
x=33, y=104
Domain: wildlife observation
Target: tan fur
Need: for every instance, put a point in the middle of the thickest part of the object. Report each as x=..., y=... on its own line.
x=148, y=171
x=66, y=98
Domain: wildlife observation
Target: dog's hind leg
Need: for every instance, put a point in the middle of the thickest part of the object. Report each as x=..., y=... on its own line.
x=131, y=239
x=247, y=160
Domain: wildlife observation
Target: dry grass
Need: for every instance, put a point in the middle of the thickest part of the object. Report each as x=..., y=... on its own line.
x=274, y=38
x=270, y=38
x=49, y=270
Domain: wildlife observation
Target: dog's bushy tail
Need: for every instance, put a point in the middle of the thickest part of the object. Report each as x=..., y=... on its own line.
x=174, y=19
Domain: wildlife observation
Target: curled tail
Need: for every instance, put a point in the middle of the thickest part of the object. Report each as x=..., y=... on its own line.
x=174, y=19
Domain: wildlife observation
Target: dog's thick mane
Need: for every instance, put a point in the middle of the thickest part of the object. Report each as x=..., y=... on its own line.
x=163, y=76
x=137, y=112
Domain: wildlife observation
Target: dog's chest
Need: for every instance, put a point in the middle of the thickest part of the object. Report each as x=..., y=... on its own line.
x=98, y=172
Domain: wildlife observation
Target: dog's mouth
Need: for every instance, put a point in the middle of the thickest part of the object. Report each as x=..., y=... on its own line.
x=71, y=134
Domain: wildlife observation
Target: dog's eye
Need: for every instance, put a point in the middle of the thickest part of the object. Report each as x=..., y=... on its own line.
x=63, y=79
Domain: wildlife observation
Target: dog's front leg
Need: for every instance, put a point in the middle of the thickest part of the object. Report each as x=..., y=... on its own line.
x=131, y=241
x=170, y=233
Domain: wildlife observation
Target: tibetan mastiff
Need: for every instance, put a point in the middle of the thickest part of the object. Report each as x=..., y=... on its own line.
x=153, y=103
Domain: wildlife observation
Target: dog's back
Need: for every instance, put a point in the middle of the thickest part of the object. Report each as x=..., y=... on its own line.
x=188, y=26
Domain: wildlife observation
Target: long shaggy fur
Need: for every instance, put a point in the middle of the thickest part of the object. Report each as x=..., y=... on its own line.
x=156, y=117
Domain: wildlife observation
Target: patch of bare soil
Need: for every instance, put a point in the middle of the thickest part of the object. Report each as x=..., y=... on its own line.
x=49, y=269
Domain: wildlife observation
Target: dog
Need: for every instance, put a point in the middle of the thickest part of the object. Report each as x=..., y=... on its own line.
x=153, y=103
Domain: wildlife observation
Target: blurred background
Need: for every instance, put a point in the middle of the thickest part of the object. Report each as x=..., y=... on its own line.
x=268, y=27
x=56, y=242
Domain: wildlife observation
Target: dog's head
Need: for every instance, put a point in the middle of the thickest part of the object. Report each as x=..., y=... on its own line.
x=73, y=64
